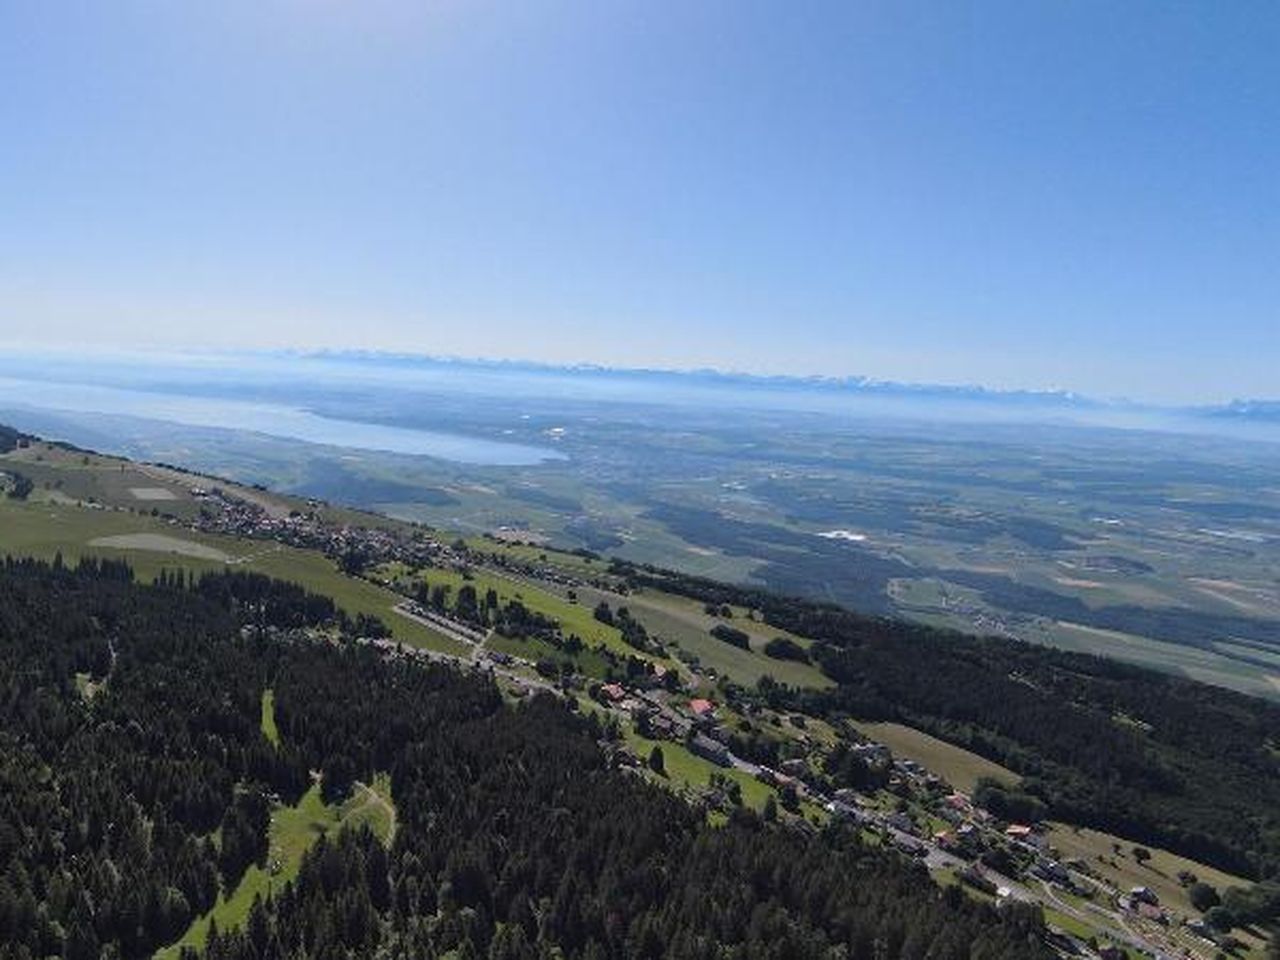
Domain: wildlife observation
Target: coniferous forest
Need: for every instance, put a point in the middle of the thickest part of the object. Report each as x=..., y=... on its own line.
x=135, y=780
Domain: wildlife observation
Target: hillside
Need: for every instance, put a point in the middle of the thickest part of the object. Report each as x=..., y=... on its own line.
x=791, y=688
x=514, y=834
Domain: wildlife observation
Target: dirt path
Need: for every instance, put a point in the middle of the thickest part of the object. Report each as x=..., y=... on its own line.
x=372, y=798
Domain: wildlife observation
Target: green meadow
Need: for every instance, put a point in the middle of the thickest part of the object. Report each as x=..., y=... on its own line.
x=293, y=831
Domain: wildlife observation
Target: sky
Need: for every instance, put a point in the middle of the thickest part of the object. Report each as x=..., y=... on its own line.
x=1076, y=195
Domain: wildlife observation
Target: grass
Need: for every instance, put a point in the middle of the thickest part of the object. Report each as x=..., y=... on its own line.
x=573, y=618
x=293, y=831
x=45, y=529
x=686, y=769
x=683, y=622
x=541, y=556
x=371, y=805
x=316, y=572
x=65, y=474
x=589, y=662
x=956, y=765
x=269, y=729
x=1069, y=923
x=1122, y=871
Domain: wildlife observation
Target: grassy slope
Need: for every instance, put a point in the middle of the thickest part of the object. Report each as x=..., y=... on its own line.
x=683, y=622
x=44, y=529
x=957, y=766
x=269, y=729
x=688, y=770
x=672, y=618
x=293, y=831
x=1160, y=873
x=571, y=563
x=573, y=617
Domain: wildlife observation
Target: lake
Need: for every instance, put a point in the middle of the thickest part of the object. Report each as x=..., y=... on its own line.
x=270, y=419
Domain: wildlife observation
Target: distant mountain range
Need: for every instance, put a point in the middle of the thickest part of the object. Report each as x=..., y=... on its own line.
x=137, y=370
x=1266, y=411
x=861, y=384
x=1255, y=409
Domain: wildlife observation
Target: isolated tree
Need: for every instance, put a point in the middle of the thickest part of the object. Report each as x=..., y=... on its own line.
x=790, y=799
x=339, y=774
x=656, y=761
x=1220, y=918
x=1203, y=897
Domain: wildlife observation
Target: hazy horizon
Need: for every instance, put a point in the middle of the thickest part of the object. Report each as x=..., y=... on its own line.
x=155, y=356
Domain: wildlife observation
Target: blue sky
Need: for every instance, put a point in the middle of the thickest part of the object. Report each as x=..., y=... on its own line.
x=1079, y=195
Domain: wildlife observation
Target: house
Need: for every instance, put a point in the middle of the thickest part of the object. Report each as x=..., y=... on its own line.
x=1144, y=895
x=1149, y=911
x=900, y=821
x=794, y=767
x=636, y=710
x=708, y=749
x=612, y=692
x=661, y=727
x=870, y=751
x=774, y=778
x=702, y=709
x=1019, y=831
x=841, y=809
x=910, y=846
x=1051, y=870
x=951, y=815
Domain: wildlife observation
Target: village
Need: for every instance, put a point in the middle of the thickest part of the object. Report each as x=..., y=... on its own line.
x=915, y=811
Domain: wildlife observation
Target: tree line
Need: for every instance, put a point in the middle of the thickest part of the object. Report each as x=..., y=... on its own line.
x=134, y=778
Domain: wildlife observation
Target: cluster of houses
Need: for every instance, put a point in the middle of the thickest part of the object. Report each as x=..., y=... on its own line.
x=1145, y=903
x=224, y=513
x=547, y=572
x=660, y=715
